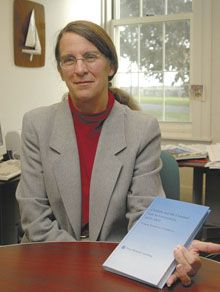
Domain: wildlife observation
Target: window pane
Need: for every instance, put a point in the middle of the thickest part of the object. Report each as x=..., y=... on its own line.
x=151, y=94
x=176, y=97
x=128, y=59
x=154, y=61
x=151, y=43
x=129, y=82
x=179, y=6
x=173, y=78
x=129, y=8
x=177, y=40
x=153, y=7
x=176, y=108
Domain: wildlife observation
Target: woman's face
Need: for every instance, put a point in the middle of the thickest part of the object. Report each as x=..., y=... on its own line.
x=87, y=81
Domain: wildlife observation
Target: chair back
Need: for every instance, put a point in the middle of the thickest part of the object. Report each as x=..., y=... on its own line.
x=170, y=176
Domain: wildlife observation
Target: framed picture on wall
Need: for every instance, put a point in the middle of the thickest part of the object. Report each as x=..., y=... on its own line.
x=196, y=92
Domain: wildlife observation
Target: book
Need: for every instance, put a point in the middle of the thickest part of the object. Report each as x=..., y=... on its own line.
x=145, y=254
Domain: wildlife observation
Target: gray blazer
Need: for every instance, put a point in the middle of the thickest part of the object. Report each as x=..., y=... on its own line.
x=125, y=177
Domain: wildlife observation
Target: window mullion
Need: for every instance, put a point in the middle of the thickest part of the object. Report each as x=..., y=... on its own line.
x=166, y=5
x=164, y=53
x=139, y=61
x=164, y=91
x=141, y=8
x=139, y=51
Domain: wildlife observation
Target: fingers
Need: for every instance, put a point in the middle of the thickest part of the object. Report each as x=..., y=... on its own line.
x=188, y=264
x=188, y=261
x=179, y=274
x=208, y=247
x=182, y=275
x=172, y=279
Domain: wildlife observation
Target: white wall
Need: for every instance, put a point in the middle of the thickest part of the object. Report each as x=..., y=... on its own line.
x=216, y=71
x=186, y=174
x=22, y=89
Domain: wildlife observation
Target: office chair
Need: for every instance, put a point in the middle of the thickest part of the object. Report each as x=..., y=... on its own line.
x=170, y=176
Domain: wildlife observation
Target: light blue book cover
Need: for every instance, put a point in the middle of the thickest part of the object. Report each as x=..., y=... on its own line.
x=146, y=253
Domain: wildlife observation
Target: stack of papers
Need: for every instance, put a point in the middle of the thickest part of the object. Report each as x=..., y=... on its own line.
x=214, y=156
x=196, y=151
x=183, y=152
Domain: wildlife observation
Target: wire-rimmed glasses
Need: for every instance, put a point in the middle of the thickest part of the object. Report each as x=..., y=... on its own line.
x=69, y=61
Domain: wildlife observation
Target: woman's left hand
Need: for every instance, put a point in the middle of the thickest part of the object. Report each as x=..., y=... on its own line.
x=188, y=260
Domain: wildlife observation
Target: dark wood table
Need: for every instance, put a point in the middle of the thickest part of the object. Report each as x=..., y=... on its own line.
x=77, y=266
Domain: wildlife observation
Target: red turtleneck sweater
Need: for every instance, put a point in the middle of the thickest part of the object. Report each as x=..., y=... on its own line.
x=88, y=128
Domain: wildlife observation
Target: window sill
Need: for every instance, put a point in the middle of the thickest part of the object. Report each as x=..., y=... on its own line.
x=182, y=132
x=187, y=138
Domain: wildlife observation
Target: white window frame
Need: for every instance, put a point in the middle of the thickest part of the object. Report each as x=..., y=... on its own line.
x=199, y=129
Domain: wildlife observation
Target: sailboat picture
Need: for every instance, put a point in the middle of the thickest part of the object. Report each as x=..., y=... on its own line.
x=32, y=41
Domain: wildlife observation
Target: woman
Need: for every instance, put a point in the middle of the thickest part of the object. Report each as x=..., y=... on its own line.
x=90, y=164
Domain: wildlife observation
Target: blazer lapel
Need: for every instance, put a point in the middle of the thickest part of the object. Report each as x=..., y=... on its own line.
x=65, y=163
x=106, y=168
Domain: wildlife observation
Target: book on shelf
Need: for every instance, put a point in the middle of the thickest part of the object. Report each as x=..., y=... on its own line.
x=145, y=254
x=182, y=152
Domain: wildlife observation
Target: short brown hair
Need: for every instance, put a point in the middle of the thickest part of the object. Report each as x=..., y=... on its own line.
x=94, y=34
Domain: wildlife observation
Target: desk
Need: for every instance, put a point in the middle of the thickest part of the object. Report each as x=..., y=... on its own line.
x=77, y=266
x=212, y=188
x=9, y=214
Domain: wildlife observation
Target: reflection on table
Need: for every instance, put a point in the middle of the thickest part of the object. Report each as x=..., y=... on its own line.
x=77, y=266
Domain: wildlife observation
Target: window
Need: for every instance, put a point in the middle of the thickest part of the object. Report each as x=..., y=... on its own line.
x=160, y=44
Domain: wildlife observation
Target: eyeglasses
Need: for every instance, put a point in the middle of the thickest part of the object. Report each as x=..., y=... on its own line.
x=69, y=62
